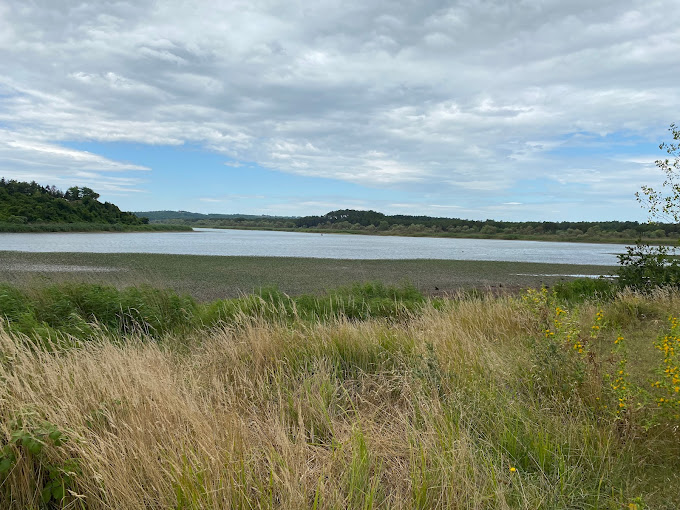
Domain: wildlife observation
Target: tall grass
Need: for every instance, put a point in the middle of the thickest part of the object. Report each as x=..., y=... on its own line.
x=450, y=406
x=80, y=309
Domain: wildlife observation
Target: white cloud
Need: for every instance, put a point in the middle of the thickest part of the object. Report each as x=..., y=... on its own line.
x=30, y=159
x=468, y=99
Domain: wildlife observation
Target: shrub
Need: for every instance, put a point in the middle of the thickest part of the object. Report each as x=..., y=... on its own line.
x=644, y=267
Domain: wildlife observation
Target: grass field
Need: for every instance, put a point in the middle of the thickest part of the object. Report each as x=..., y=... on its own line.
x=210, y=277
x=478, y=402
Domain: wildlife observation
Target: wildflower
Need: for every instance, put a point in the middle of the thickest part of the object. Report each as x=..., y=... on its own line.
x=513, y=469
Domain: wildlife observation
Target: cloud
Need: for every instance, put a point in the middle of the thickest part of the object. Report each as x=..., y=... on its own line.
x=458, y=99
x=30, y=159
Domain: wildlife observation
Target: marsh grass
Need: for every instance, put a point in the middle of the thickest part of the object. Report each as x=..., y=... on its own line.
x=83, y=310
x=207, y=278
x=446, y=406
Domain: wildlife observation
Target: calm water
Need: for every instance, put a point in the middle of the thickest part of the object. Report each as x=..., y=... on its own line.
x=294, y=244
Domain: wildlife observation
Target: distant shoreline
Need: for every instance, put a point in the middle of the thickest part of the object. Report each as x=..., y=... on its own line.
x=450, y=235
x=46, y=228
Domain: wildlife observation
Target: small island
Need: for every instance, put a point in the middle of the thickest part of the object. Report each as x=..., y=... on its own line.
x=30, y=207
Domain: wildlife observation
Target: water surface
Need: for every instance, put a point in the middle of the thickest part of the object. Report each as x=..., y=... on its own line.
x=205, y=241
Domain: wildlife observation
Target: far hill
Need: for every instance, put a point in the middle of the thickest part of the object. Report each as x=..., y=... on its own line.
x=186, y=215
x=30, y=207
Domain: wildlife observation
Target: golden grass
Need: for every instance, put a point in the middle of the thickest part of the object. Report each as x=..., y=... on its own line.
x=431, y=412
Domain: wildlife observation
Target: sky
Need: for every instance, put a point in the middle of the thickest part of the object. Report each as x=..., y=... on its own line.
x=509, y=110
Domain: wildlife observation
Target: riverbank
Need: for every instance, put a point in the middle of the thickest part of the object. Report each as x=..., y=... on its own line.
x=214, y=277
x=586, y=239
x=27, y=228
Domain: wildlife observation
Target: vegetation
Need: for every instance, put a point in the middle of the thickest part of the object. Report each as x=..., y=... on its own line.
x=370, y=222
x=84, y=310
x=30, y=207
x=24, y=202
x=529, y=402
x=648, y=267
x=665, y=204
x=208, y=278
x=88, y=227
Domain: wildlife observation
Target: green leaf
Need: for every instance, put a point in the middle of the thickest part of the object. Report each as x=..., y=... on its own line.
x=6, y=464
x=35, y=447
x=46, y=494
x=58, y=492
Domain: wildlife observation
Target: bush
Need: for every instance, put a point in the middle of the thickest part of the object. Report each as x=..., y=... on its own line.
x=644, y=267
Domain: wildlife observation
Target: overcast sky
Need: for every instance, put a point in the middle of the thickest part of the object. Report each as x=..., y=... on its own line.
x=536, y=109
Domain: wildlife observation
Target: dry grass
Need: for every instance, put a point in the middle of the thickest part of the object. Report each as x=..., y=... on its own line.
x=431, y=412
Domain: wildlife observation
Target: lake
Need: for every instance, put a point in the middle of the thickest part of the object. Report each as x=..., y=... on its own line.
x=206, y=241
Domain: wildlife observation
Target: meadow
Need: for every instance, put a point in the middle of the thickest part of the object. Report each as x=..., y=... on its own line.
x=365, y=396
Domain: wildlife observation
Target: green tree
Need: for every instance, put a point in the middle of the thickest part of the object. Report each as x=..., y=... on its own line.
x=665, y=203
x=89, y=193
x=72, y=194
x=645, y=266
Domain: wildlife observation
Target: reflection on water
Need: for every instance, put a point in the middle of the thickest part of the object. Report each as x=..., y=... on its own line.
x=297, y=244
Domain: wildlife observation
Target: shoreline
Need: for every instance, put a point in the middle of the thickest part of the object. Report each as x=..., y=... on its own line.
x=76, y=228
x=447, y=235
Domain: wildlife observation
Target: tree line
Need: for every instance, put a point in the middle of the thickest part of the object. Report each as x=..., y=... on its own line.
x=380, y=221
x=32, y=203
x=355, y=221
